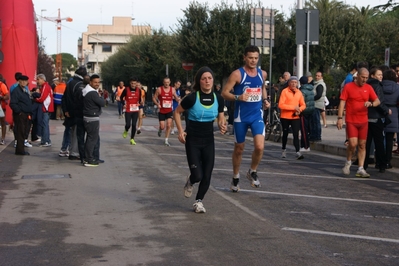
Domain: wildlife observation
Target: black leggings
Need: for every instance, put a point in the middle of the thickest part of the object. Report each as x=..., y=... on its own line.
x=201, y=159
x=131, y=117
x=295, y=126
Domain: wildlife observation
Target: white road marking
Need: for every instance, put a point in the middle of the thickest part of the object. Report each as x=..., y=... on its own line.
x=314, y=197
x=341, y=235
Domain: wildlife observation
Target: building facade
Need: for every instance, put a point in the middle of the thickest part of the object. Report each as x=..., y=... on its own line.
x=102, y=41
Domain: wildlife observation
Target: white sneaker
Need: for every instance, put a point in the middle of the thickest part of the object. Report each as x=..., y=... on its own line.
x=347, y=168
x=45, y=145
x=304, y=149
x=234, y=185
x=253, y=177
x=199, y=207
x=172, y=132
x=299, y=155
x=63, y=153
x=188, y=188
x=284, y=154
x=362, y=173
x=27, y=144
x=167, y=143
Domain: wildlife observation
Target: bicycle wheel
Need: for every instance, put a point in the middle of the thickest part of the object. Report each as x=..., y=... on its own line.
x=268, y=131
x=277, y=131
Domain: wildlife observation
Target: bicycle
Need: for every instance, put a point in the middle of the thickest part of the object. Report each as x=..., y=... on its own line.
x=274, y=127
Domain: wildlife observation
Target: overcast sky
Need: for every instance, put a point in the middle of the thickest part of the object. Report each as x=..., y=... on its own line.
x=156, y=13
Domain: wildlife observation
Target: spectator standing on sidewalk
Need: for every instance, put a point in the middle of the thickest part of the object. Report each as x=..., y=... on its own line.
x=306, y=115
x=21, y=106
x=291, y=105
x=391, y=95
x=91, y=116
x=376, y=118
x=356, y=98
x=47, y=101
x=319, y=90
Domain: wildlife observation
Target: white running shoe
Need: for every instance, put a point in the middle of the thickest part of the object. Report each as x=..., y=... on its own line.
x=234, y=185
x=253, y=177
x=199, y=207
x=362, y=173
x=172, y=132
x=284, y=154
x=27, y=144
x=63, y=153
x=299, y=155
x=167, y=143
x=304, y=149
x=346, y=170
x=188, y=188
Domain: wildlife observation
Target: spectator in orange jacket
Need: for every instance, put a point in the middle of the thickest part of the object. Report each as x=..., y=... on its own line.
x=291, y=104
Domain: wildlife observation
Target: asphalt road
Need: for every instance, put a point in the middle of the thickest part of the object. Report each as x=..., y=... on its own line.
x=131, y=209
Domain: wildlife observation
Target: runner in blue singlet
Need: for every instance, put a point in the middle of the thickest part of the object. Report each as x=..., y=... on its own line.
x=248, y=85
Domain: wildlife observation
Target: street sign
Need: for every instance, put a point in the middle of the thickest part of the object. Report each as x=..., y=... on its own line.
x=302, y=18
x=187, y=66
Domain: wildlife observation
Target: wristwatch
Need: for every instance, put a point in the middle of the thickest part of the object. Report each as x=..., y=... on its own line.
x=236, y=97
x=339, y=117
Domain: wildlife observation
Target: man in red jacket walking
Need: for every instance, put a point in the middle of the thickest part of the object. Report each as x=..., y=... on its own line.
x=47, y=100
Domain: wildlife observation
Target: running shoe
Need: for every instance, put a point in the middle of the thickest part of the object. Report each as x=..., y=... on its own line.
x=253, y=177
x=27, y=144
x=304, y=149
x=299, y=156
x=234, y=185
x=188, y=188
x=347, y=168
x=362, y=173
x=199, y=207
x=172, y=132
x=45, y=145
x=39, y=139
x=124, y=135
x=167, y=143
x=138, y=131
x=63, y=153
x=284, y=154
x=132, y=142
x=2, y=142
x=91, y=164
x=159, y=132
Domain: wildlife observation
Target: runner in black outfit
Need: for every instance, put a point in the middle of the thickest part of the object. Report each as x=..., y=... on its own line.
x=203, y=106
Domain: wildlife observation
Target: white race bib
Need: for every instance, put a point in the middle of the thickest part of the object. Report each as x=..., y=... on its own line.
x=166, y=104
x=255, y=94
x=133, y=107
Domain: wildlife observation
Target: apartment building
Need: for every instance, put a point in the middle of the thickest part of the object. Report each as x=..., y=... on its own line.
x=101, y=41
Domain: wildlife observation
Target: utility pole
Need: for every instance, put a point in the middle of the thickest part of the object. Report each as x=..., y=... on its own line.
x=41, y=27
x=299, y=49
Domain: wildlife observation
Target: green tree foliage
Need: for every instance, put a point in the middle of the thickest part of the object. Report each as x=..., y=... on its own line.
x=69, y=63
x=45, y=64
x=145, y=57
x=214, y=37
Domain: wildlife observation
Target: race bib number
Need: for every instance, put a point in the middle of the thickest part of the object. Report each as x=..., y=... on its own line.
x=255, y=94
x=167, y=104
x=133, y=107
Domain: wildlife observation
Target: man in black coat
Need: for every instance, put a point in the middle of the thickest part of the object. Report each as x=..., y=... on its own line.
x=21, y=106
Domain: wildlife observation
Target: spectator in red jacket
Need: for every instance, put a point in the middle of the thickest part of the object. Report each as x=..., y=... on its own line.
x=47, y=100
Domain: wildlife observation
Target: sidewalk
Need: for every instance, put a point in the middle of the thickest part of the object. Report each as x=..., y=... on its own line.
x=333, y=141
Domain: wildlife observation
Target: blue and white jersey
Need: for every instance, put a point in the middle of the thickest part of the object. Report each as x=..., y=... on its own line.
x=251, y=109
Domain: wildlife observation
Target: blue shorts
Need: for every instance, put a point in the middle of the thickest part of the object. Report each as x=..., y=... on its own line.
x=240, y=129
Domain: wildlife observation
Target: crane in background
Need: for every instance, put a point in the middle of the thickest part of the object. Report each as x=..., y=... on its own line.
x=58, y=60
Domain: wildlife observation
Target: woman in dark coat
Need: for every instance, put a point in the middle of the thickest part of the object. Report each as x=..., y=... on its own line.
x=391, y=95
